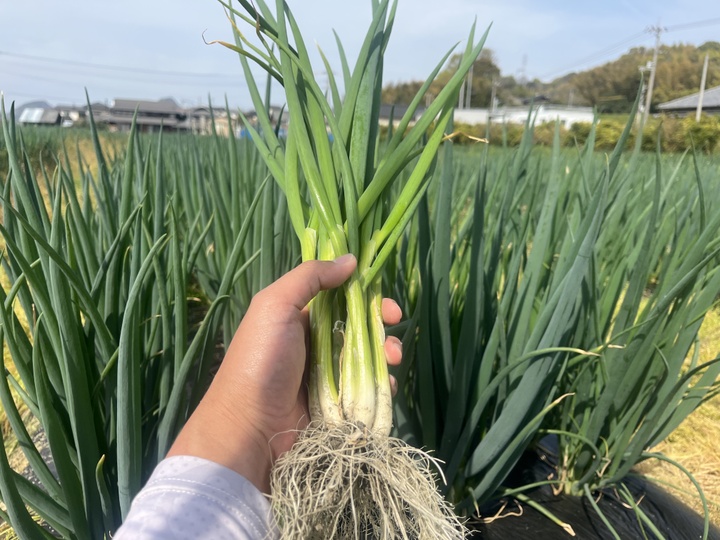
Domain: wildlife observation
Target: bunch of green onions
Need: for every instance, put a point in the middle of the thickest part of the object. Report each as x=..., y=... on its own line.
x=339, y=182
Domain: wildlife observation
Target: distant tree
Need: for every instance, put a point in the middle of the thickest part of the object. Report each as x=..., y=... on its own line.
x=511, y=92
x=485, y=70
x=710, y=46
x=401, y=93
x=611, y=87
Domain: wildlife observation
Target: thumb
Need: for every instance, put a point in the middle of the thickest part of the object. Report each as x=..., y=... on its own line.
x=301, y=284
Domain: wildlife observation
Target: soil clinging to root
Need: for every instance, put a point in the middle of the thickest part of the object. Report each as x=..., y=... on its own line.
x=345, y=482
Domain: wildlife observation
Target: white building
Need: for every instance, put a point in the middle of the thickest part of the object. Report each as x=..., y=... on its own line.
x=567, y=116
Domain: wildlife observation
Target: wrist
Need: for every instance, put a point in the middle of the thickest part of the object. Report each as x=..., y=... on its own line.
x=211, y=434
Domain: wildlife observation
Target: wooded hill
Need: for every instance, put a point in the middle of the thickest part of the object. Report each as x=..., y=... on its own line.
x=611, y=87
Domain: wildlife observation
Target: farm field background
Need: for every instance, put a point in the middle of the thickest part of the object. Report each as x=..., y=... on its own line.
x=213, y=185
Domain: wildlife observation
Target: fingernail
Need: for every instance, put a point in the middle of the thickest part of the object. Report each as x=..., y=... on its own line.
x=345, y=259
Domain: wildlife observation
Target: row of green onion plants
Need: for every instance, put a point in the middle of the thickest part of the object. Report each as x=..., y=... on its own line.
x=556, y=293
x=118, y=281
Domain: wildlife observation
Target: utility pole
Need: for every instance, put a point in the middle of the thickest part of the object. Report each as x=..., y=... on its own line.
x=703, y=79
x=643, y=93
x=493, y=94
x=657, y=30
x=468, y=87
x=522, y=79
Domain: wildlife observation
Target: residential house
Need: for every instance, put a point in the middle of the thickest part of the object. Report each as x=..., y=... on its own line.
x=151, y=115
x=199, y=120
x=279, y=119
x=70, y=114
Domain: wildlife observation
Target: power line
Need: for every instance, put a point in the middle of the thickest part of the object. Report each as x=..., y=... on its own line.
x=13, y=95
x=597, y=55
x=611, y=48
x=108, y=67
x=24, y=68
x=697, y=24
x=657, y=30
x=58, y=74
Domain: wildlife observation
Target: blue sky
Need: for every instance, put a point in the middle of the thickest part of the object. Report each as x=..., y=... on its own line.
x=148, y=49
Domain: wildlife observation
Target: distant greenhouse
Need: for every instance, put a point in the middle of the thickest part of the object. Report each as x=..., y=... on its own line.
x=39, y=117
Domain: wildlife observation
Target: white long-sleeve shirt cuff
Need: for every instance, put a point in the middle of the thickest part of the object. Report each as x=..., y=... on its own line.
x=189, y=497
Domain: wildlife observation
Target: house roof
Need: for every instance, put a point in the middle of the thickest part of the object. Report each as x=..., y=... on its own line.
x=164, y=106
x=711, y=100
x=217, y=111
x=97, y=107
x=70, y=108
x=398, y=111
x=141, y=120
x=537, y=99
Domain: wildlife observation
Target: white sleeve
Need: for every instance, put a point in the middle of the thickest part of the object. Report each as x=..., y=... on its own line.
x=190, y=498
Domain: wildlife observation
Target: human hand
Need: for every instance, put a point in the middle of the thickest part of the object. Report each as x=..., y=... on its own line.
x=258, y=399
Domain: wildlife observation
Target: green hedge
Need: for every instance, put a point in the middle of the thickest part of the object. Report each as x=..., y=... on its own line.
x=677, y=134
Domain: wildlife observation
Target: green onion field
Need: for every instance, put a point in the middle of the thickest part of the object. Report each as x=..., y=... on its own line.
x=548, y=290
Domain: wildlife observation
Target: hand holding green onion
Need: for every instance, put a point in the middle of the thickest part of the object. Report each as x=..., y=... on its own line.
x=348, y=192
x=258, y=401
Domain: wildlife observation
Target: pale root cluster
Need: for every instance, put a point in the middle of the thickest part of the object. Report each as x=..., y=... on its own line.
x=347, y=482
